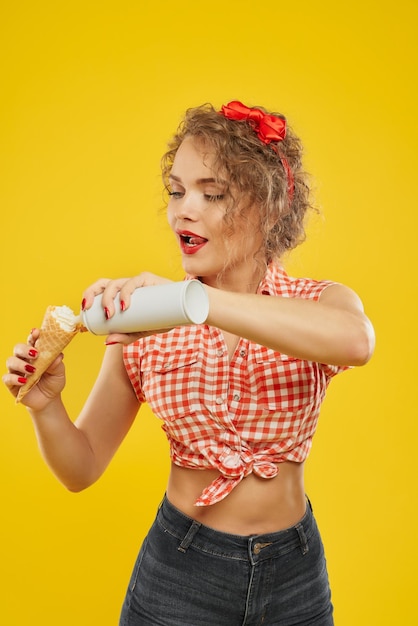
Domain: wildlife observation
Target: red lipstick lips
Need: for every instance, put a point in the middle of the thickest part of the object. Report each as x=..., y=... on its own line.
x=190, y=243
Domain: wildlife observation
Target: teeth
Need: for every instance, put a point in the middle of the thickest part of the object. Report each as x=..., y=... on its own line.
x=192, y=241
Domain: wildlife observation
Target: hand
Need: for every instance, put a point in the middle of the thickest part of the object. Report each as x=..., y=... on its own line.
x=23, y=363
x=124, y=287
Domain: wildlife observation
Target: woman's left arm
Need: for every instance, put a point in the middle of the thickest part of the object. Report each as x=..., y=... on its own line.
x=332, y=330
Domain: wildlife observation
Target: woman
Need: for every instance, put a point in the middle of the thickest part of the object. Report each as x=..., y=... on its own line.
x=234, y=541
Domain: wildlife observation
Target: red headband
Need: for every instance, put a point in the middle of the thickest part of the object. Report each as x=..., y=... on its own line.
x=268, y=128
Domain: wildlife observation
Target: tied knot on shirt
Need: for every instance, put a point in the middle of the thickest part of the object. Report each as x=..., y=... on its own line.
x=235, y=466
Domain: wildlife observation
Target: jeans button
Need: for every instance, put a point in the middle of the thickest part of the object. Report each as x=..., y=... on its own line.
x=257, y=548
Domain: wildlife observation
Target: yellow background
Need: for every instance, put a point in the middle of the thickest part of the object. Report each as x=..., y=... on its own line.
x=91, y=91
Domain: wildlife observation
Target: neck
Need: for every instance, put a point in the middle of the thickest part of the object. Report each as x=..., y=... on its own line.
x=245, y=282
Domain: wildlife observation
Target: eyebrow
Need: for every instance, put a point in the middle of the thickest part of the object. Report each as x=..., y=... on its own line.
x=200, y=181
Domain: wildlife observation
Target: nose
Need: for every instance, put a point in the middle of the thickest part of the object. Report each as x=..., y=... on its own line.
x=185, y=208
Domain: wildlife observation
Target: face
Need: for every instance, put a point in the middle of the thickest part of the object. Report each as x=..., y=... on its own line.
x=196, y=213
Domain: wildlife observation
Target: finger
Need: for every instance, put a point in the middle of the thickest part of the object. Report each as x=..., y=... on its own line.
x=92, y=291
x=109, y=294
x=121, y=338
x=25, y=351
x=16, y=365
x=127, y=290
x=127, y=338
x=124, y=338
x=13, y=382
x=33, y=336
x=145, y=279
x=109, y=289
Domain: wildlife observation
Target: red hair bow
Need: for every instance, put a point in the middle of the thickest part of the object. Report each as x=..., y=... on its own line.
x=268, y=127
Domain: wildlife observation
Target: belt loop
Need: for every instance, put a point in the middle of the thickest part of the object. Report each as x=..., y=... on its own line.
x=189, y=536
x=302, y=538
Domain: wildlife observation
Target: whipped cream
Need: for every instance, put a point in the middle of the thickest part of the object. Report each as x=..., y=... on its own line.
x=65, y=318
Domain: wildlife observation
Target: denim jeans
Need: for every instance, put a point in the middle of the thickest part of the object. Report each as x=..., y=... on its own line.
x=187, y=574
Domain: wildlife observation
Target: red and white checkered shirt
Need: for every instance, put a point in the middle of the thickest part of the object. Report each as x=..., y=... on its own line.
x=238, y=417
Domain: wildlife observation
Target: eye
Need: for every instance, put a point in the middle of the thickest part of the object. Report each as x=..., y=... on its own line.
x=214, y=198
x=176, y=194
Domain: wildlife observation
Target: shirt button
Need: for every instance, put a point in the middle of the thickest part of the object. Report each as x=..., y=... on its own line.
x=242, y=352
x=237, y=397
x=219, y=352
x=219, y=400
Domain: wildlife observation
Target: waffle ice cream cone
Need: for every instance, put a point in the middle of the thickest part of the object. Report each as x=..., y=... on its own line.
x=58, y=328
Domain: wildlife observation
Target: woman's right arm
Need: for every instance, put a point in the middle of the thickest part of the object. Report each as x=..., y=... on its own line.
x=78, y=453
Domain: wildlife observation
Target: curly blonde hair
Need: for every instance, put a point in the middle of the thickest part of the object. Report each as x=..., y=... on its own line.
x=254, y=172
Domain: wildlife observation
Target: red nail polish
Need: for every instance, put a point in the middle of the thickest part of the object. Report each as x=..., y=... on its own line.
x=33, y=353
x=111, y=343
x=122, y=305
x=30, y=368
x=83, y=304
x=21, y=379
x=106, y=312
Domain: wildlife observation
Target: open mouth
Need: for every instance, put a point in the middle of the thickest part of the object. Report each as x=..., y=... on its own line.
x=190, y=242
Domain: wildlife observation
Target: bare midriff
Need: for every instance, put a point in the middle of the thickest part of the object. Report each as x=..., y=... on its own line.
x=255, y=506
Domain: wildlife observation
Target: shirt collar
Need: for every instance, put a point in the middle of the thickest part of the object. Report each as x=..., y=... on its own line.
x=274, y=275
x=268, y=285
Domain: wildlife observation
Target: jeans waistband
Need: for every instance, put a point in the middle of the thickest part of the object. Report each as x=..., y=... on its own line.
x=189, y=532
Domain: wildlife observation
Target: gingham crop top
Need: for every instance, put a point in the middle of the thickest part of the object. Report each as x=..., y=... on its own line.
x=237, y=417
